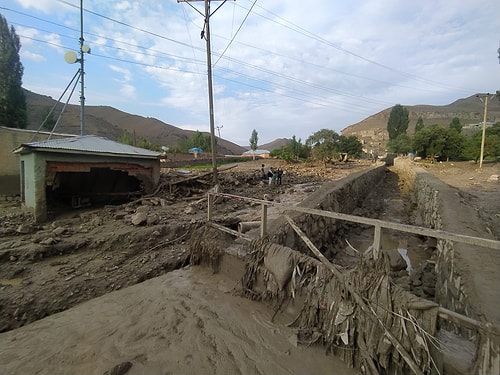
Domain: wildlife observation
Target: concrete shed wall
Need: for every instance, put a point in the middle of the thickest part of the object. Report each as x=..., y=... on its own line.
x=39, y=168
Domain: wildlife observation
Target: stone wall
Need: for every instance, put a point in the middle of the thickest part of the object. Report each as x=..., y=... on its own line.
x=458, y=286
x=451, y=291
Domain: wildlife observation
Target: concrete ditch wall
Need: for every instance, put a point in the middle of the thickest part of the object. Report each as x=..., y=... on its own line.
x=342, y=196
x=458, y=286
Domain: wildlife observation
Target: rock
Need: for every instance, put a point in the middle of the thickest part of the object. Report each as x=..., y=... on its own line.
x=25, y=228
x=139, y=218
x=120, y=369
x=96, y=221
x=48, y=241
x=493, y=178
x=120, y=215
x=142, y=209
x=152, y=219
x=396, y=262
x=59, y=230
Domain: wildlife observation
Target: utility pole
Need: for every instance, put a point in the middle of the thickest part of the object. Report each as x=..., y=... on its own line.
x=219, y=128
x=484, y=99
x=205, y=33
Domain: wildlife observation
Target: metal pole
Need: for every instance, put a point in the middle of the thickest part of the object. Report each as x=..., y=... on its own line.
x=210, y=91
x=484, y=129
x=82, y=73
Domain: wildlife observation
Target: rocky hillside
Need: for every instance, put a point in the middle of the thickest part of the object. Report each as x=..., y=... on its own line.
x=112, y=123
x=373, y=130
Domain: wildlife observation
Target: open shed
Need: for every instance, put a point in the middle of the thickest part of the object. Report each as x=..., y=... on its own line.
x=83, y=170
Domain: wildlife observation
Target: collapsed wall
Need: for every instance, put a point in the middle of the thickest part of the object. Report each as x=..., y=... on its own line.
x=461, y=285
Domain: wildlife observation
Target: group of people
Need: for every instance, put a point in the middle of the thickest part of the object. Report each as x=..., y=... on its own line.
x=272, y=176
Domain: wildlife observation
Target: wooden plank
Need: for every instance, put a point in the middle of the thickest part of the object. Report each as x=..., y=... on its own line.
x=231, y=231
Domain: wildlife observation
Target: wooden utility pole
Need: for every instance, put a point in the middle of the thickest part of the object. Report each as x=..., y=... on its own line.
x=485, y=101
x=206, y=34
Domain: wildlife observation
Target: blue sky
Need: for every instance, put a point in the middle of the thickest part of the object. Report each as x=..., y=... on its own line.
x=283, y=68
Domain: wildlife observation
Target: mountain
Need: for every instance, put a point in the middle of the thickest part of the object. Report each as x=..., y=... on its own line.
x=277, y=143
x=111, y=123
x=372, y=131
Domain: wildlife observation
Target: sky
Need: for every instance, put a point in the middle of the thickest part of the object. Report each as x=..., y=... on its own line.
x=284, y=68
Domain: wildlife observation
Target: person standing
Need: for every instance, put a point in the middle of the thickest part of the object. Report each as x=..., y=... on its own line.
x=262, y=173
x=280, y=174
x=270, y=175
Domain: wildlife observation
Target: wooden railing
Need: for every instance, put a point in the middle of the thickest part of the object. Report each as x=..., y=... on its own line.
x=378, y=225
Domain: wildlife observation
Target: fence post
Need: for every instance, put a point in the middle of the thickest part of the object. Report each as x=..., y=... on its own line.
x=263, y=221
x=376, y=241
x=210, y=206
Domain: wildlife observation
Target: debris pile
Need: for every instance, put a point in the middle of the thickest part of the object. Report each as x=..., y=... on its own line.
x=355, y=313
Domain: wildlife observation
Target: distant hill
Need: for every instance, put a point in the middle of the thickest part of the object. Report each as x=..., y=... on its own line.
x=277, y=143
x=372, y=131
x=112, y=123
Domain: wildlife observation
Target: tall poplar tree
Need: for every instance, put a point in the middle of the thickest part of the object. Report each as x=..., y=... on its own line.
x=12, y=97
x=254, y=139
x=398, y=121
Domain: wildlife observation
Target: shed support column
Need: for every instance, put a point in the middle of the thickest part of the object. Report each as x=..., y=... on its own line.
x=40, y=208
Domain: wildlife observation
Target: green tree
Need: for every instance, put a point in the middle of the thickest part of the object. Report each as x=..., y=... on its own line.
x=398, y=121
x=294, y=150
x=454, y=146
x=455, y=124
x=491, y=144
x=125, y=138
x=324, y=145
x=12, y=97
x=254, y=139
x=198, y=140
x=420, y=124
x=145, y=143
x=350, y=145
x=402, y=144
x=436, y=140
x=48, y=118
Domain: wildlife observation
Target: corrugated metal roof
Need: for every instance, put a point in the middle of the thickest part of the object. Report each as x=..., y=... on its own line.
x=91, y=144
x=256, y=152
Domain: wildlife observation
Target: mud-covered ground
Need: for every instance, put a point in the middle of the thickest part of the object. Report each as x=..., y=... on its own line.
x=184, y=321
x=82, y=254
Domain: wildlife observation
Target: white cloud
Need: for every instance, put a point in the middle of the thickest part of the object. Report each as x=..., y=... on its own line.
x=285, y=73
x=32, y=56
x=46, y=6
